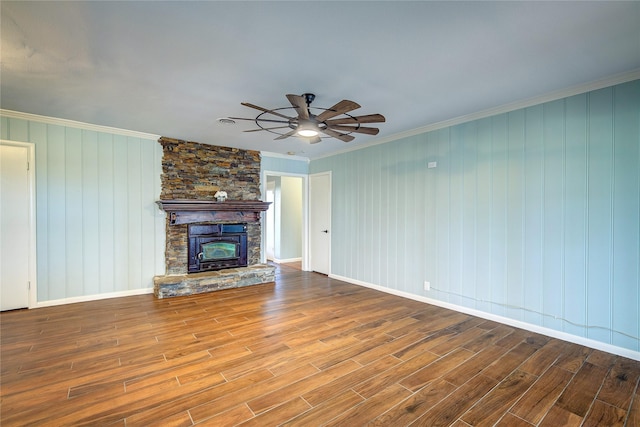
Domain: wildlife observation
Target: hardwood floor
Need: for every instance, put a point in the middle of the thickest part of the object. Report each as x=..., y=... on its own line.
x=307, y=350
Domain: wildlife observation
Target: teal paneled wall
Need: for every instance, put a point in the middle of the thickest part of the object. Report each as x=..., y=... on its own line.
x=98, y=228
x=281, y=164
x=532, y=214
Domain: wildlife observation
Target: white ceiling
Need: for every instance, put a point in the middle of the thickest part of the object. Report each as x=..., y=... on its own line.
x=174, y=68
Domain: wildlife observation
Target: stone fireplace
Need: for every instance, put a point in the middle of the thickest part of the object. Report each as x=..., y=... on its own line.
x=191, y=174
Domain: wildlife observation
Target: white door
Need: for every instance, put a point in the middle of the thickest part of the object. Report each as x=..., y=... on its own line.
x=271, y=221
x=320, y=222
x=14, y=227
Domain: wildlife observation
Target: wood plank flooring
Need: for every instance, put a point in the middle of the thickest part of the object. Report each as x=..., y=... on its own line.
x=305, y=351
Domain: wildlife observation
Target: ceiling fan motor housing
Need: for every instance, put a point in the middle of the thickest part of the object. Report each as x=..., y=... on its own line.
x=308, y=97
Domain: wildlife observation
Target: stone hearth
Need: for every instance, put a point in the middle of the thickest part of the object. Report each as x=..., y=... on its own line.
x=197, y=283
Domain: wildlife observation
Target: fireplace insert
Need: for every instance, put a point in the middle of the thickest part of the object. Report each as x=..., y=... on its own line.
x=217, y=246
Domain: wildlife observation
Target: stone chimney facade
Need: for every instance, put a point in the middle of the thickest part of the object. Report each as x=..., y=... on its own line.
x=195, y=171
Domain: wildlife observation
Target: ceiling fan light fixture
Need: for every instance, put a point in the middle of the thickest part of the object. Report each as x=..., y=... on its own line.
x=307, y=130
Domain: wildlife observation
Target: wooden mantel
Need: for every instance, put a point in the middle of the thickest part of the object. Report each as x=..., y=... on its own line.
x=191, y=211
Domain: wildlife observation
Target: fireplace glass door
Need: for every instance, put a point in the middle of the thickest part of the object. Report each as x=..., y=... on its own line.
x=218, y=250
x=217, y=246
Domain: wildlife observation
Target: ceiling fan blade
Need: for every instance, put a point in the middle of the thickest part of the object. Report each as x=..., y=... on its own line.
x=256, y=130
x=341, y=107
x=338, y=135
x=286, y=135
x=275, y=113
x=314, y=140
x=300, y=105
x=360, y=129
x=369, y=118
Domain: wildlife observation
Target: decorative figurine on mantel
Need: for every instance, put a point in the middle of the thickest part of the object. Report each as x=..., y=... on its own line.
x=220, y=196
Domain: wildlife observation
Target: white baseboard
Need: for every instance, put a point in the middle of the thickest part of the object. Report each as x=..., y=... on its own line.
x=86, y=298
x=620, y=351
x=284, y=261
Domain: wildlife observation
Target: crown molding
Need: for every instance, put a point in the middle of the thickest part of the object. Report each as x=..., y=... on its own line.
x=284, y=156
x=80, y=125
x=541, y=99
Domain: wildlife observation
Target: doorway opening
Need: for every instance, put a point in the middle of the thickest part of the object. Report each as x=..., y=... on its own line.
x=285, y=230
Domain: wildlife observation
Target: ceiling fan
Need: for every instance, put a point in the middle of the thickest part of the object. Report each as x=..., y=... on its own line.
x=335, y=122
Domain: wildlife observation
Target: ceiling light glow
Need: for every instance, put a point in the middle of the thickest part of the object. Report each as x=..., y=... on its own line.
x=307, y=129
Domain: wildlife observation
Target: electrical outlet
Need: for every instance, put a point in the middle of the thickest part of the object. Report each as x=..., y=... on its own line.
x=427, y=286
x=431, y=165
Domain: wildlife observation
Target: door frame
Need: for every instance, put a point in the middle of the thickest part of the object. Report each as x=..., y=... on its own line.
x=31, y=176
x=305, y=215
x=330, y=177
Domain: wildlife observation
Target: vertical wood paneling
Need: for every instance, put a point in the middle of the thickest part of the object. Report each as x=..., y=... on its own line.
x=399, y=216
x=499, y=183
x=98, y=229
x=455, y=212
x=348, y=205
x=394, y=227
x=430, y=224
x=19, y=130
x=134, y=210
x=369, y=213
x=469, y=274
x=599, y=286
x=337, y=221
x=337, y=204
x=106, y=233
x=515, y=214
x=38, y=136
x=74, y=216
x=405, y=173
x=553, y=137
x=358, y=205
x=148, y=241
x=157, y=214
x=626, y=216
x=442, y=280
x=395, y=220
x=363, y=261
x=575, y=208
x=56, y=250
x=120, y=212
x=376, y=215
x=386, y=271
x=534, y=214
x=421, y=182
x=533, y=188
x=90, y=214
x=415, y=190
x=342, y=226
x=483, y=214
